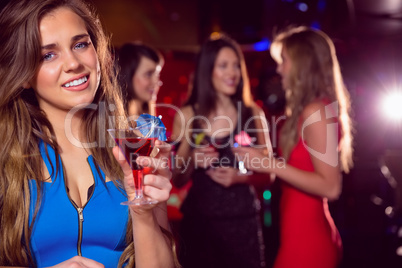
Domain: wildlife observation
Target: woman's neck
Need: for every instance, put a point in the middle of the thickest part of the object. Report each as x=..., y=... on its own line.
x=135, y=107
x=223, y=100
x=224, y=105
x=68, y=127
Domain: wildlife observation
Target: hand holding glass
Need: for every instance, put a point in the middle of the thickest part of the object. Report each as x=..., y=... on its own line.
x=133, y=143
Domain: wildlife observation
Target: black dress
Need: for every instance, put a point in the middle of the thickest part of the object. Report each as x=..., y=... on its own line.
x=221, y=226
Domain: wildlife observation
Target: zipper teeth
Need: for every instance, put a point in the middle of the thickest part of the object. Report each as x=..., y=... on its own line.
x=80, y=226
x=80, y=211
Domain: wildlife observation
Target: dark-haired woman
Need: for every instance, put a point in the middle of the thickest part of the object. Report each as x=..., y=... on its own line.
x=139, y=68
x=221, y=225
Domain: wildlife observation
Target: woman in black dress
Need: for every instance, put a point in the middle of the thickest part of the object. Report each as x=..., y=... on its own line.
x=221, y=225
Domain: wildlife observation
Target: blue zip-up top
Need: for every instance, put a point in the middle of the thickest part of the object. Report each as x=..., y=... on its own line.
x=62, y=230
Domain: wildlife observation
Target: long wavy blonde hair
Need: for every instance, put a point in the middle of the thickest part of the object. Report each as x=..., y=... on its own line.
x=23, y=123
x=314, y=75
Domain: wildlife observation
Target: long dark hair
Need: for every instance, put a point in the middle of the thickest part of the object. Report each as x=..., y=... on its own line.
x=203, y=93
x=128, y=59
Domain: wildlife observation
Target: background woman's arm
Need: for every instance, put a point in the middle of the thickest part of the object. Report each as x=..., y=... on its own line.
x=183, y=162
x=259, y=179
x=322, y=140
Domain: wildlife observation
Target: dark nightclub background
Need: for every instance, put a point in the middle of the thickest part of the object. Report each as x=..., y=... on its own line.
x=368, y=38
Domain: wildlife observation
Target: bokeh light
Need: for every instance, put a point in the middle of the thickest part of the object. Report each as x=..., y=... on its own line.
x=267, y=194
x=392, y=105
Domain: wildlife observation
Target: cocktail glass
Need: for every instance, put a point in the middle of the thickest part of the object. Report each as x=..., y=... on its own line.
x=244, y=140
x=133, y=143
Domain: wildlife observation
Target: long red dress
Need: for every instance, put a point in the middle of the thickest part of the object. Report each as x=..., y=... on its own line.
x=308, y=235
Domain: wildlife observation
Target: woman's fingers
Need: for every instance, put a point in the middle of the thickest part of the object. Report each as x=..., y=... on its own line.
x=163, y=148
x=156, y=165
x=79, y=262
x=205, y=157
x=127, y=171
x=157, y=174
x=157, y=184
x=157, y=187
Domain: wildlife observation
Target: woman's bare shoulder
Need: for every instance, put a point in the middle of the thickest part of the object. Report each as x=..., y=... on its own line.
x=313, y=107
x=185, y=113
x=182, y=116
x=257, y=110
x=187, y=110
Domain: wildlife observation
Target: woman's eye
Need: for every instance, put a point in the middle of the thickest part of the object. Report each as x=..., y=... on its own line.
x=48, y=56
x=81, y=45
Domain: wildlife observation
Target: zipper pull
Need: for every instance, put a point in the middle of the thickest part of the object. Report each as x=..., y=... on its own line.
x=80, y=214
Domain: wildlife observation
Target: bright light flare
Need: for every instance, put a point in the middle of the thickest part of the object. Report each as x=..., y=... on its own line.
x=392, y=105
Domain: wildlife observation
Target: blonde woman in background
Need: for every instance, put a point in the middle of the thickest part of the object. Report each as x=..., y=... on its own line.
x=316, y=142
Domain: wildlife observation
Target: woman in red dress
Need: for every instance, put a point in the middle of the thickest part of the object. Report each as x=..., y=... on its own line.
x=314, y=145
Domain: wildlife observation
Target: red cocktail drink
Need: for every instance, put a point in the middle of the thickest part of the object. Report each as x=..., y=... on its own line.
x=132, y=148
x=133, y=143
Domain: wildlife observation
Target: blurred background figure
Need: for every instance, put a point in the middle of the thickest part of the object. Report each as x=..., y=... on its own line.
x=313, y=83
x=139, y=68
x=221, y=226
x=316, y=143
